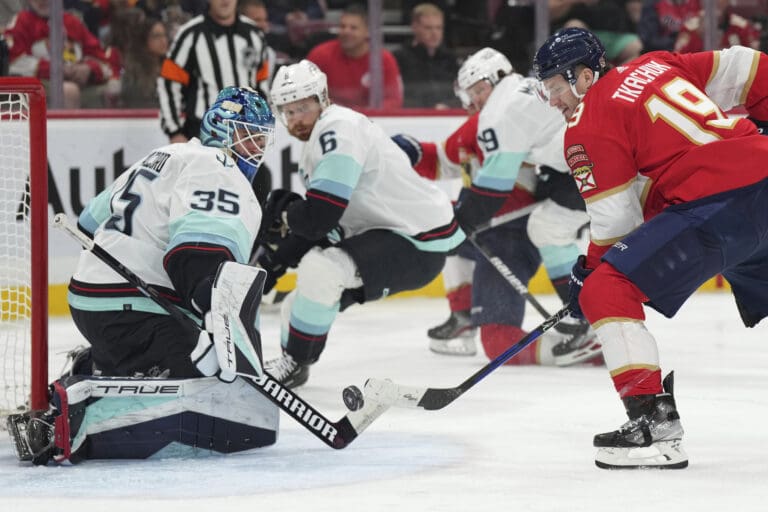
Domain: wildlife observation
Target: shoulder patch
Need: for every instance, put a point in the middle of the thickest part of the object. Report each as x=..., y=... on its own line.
x=581, y=167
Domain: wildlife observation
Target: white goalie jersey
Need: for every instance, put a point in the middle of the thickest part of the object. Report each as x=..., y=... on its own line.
x=350, y=161
x=180, y=195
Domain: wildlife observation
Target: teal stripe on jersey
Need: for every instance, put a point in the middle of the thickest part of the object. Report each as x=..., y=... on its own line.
x=337, y=175
x=96, y=211
x=439, y=245
x=311, y=317
x=228, y=232
x=559, y=259
x=499, y=171
x=143, y=304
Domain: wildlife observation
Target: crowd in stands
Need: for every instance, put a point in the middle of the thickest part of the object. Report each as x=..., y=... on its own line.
x=114, y=50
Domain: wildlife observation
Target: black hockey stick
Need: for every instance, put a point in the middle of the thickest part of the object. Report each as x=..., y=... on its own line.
x=433, y=399
x=508, y=275
x=336, y=434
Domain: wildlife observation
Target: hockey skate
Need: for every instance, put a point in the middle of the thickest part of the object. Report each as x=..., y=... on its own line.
x=287, y=371
x=650, y=439
x=32, y=436
x=455, y=336
x=577, y=344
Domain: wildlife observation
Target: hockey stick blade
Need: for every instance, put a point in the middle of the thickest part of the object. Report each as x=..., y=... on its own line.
x=337, y=434
x=433, y=399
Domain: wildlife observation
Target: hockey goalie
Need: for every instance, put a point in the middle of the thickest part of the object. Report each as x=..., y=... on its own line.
x=184, y=220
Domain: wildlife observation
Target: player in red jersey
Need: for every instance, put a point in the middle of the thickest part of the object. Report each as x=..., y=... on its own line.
x=669, y=182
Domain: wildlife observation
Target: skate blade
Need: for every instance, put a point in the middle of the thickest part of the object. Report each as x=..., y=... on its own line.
x=660, y=455
x=465, y=347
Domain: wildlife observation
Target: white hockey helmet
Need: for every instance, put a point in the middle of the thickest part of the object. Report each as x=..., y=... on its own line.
x=298, y=81
x=486, y=64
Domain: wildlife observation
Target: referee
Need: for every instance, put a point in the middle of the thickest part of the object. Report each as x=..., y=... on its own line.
x=211, y=51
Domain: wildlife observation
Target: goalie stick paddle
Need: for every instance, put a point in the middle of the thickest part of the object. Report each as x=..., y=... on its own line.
x=433, y=399
x=336, y=434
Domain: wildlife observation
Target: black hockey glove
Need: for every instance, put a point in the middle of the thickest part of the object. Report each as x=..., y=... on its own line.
x=287, y=254
x=578, y=274
x=273, y=225
x=762, y=126
x=410, y=147
x=275, y=269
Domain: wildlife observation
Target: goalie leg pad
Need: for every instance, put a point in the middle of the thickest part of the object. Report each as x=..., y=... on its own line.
x=117, y=418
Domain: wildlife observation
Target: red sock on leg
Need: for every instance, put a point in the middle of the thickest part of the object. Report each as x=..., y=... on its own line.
x=496, y=338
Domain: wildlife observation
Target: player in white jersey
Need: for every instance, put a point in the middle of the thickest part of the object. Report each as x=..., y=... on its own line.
x=514, y=128
x=172, y=218
x=367, y=227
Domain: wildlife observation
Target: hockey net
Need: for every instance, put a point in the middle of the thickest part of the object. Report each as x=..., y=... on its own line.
x=23, y=246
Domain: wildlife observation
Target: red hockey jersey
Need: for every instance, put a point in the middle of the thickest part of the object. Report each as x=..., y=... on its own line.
x=652, y=134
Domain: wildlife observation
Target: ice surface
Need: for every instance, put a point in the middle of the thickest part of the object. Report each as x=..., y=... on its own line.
x=520, y=440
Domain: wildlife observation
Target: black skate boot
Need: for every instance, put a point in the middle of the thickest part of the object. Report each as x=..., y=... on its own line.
x=287, y=371
x=455, y=336
x=650, y=439
x=32, y=435
x=578, y=343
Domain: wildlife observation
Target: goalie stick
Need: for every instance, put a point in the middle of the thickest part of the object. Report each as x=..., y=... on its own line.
x=433, y=399
x=336, y=434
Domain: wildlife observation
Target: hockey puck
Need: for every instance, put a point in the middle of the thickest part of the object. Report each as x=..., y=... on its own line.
x=353, y=398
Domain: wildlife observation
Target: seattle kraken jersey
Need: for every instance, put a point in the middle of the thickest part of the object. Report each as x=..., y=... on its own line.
x=180, y=200
x=516, y=126
x=349, y=162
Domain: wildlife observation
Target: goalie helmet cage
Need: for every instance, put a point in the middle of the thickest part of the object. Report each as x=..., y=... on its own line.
x=23, y=246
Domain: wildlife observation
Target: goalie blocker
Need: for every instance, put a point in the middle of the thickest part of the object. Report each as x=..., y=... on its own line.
x=119, y=418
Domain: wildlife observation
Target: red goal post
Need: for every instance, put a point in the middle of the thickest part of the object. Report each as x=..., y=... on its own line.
x=23, y=245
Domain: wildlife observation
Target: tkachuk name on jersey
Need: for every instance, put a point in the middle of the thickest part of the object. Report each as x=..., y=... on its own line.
x=298, y=409
x=633, y=84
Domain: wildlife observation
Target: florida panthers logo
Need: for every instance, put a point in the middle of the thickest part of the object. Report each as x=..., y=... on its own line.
x=581, y=168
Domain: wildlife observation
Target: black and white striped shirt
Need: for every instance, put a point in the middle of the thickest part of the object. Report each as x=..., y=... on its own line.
x=204, y=58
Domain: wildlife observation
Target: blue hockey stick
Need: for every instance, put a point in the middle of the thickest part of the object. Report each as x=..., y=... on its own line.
x=433, y=399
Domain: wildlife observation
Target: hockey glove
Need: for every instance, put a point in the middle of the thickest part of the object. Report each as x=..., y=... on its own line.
x=274, y=226
x=274, y=267
x=410, y=146
x=578, y=274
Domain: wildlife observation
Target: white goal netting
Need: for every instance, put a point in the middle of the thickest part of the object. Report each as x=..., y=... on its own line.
x=15, y=252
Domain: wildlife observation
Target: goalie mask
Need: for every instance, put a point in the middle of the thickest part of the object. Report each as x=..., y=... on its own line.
x=240, y=122
x=296, y=82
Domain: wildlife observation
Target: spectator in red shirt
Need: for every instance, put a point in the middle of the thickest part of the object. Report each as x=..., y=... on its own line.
x=345, y=61
x=85, y=62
